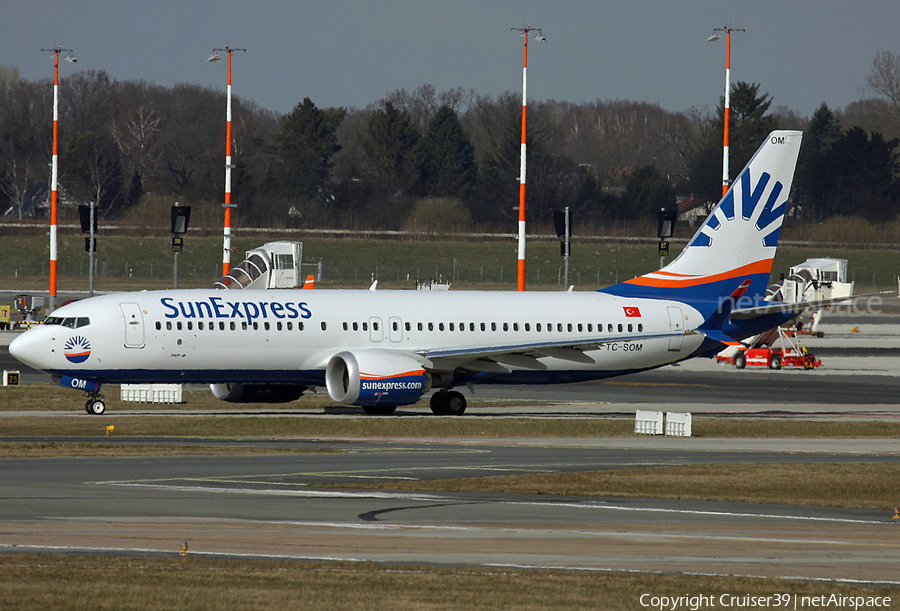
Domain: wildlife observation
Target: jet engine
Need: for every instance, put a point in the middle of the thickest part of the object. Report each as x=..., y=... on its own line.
x=375, y=377
x=257, y=393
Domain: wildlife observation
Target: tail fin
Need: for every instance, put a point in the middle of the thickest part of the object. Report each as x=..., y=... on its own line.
x=736, y=244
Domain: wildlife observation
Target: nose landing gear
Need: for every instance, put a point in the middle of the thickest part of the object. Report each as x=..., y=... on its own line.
x=95, y=404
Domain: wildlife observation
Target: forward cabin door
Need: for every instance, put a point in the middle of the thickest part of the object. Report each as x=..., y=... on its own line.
x=676, y=325
x=134, y=325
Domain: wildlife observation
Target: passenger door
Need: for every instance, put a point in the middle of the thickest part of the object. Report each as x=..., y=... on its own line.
x=134, y=325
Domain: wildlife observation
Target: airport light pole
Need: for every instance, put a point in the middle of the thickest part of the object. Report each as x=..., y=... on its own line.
x=54, y=170
x=726, y=179
x=226, y=231
x=539, y=36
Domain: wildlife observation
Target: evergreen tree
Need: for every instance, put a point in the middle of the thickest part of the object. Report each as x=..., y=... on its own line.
x=823, y=131
x=647, y=191
x=749, y=125
x=446, y=158
x=300, y=155
x=389, y=140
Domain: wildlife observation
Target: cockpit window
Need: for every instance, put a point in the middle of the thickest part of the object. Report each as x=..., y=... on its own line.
x=71, y=323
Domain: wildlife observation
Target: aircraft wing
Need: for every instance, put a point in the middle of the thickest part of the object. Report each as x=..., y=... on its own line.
x=497, y=359
x=781, y=307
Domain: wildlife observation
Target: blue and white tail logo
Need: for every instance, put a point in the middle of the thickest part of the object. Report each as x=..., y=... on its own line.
x=737, y=242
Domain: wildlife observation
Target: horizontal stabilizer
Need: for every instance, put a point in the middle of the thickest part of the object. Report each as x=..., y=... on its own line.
x=782, y=308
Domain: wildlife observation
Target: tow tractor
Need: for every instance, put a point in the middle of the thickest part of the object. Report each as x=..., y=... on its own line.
x=789, y=353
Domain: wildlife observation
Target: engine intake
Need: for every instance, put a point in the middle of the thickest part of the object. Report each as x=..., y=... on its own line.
x=375, y=377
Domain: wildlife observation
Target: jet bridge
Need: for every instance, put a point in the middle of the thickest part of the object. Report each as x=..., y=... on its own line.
x=274, y=265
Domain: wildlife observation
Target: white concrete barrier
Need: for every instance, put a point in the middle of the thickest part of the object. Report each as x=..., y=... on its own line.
x=648, y=423
x=151, y=393
x=678, y=424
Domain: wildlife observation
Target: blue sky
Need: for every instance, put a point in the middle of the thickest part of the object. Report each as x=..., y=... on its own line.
x=343, y=53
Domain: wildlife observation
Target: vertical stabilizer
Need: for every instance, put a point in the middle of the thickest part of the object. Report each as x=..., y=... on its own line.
x=736, y=244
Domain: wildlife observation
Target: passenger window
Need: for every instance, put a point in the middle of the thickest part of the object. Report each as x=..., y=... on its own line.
x=232, y=325
x=515, y=326
x=640, y=327
x=493, y=326
x=200, y=326
x=419, y=326
x=178, y=325
x=537, y=327
x=559, y=327
x=255, y=326
x=244, y=326
x=549, y=326
x=323, y=325
x=266, y=326
x=221, y=326
x=471, y=326
x=506, y=326
x=609, y=327
x=408, y=326
x=630, y=327
x=190, y=326
x=300, y=326
x=580, y=328
x=346, y=328
x=278, y=326
x=451, y=326
x=528, y=326
x=159, y=325
x=620, y=327
x=440, y=326
x=482, y=326
x=365, y=326
x=395, y=326
x=431, y=326
x=590, y=327
x=569, y=327
x=356, y=326
x=290, y=326
x=374, y=326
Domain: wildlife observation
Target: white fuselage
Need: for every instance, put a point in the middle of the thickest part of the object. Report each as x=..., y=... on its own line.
x=288, y=336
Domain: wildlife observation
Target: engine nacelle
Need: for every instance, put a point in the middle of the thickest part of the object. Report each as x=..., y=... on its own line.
x=375, y=377
x=257, y=393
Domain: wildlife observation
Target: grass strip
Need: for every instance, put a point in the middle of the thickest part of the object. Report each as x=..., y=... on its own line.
x=425, y=426
x=860, y=485
x=35, y=581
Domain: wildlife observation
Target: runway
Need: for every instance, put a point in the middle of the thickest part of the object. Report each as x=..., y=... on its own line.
x=309, y=506
x=279, y=506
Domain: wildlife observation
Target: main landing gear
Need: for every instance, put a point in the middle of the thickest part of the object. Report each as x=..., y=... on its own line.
x=448, y=403
x=95, y=404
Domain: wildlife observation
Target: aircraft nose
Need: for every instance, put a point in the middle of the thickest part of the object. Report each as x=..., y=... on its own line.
x=26, y=349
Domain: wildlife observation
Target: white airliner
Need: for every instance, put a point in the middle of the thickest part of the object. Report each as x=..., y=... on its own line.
x=381, y=349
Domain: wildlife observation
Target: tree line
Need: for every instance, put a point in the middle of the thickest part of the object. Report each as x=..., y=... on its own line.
x=433, y=161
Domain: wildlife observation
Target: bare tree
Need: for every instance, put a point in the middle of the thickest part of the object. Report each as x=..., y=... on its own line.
x=884, y=79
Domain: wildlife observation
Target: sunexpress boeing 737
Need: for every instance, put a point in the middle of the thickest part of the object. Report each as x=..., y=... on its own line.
x=381, y=349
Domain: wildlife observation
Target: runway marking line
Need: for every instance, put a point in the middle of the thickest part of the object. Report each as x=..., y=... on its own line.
x=549, y=567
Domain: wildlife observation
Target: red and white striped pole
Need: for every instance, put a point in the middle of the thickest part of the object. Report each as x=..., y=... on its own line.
x=726, y=178
x=226, y=231
x=520, y=275
x=54, y=173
